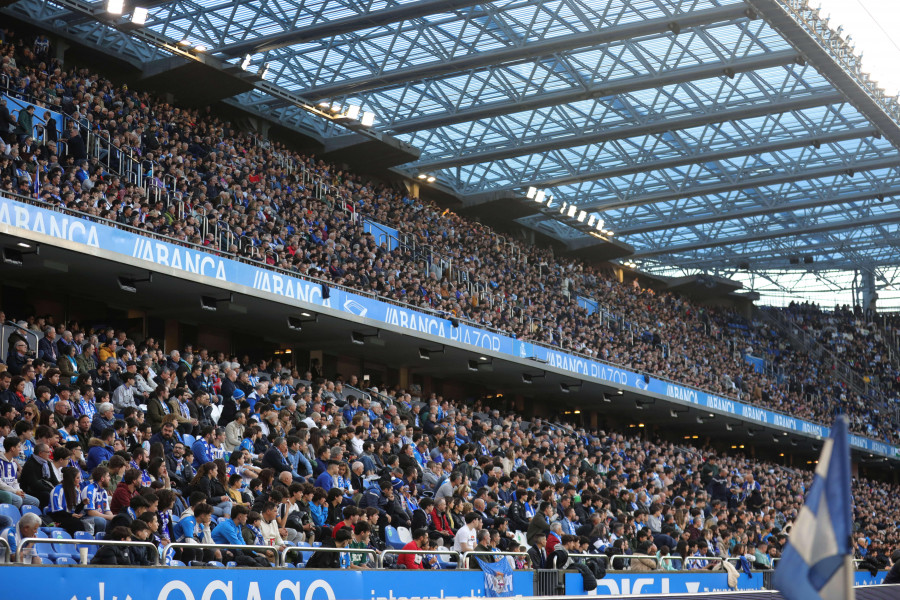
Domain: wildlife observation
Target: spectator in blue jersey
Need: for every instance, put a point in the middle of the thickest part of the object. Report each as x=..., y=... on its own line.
x=96, y=500
x=65, y=506
x=10, y=491
x=326, y=479
x=27, y=527
x=202, y=448
x=228, y=531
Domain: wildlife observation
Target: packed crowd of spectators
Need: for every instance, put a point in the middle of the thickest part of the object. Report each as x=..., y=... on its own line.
x=244, y=187
x=116, y=438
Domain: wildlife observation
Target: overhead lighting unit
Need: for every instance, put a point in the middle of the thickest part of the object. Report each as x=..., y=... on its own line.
x=482, y=364
x=200, y=48
x=263, y=70
x=569, y=387
x=600, y=224
x=352, y=112
x=129, y=284
x=368, y=119
x=539, y=196
x=11, y=256
x=531, y=193
x=360, y=338
x=425, y=353
x=245, y=64
x=582, y=215
x=530, y=377
x=571, y=211
x=422, y=176
x=431, y=179
x=211, y=303
x=139, y=15
x=184, y=43
x=115, y=7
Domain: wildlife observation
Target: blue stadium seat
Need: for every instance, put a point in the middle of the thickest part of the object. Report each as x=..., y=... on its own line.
x=188, y=440
x=27, y=508
x=66, y=560
x=58, y=533
x=43, y=549
x=393, y=538
x=8, y=510
x=215, y=563
x=84, y=535
x=176, y=563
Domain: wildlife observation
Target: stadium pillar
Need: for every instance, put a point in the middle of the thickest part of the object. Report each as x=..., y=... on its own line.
x=403, y=377
x=869, y=295
x=620, y=274
x=60, y=46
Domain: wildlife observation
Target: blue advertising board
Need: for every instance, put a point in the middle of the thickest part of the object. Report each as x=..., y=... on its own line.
x=622, y=584
x=586, y=303
x=382, y=234
x=26, y=220
x=690, y=582
x=14, y=104
x=211, y=583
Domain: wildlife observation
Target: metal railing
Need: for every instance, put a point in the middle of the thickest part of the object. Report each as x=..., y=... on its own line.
x=391, y=551
x=349, y=551
x=698, y=559
x=34, y=541
x=464, y=559
x=8, y=329
x=164, y=550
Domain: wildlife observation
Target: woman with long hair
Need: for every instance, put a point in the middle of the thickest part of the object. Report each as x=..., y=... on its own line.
x=65, y=507
x=202, y=482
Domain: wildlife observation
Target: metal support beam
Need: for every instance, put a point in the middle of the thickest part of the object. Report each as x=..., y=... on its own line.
x=771, y=235
x=760, y=211
x=752, y=182
x=625, y=85
x=327, y=29
x=834, y=59
x=528, y=51
x=662, y=124
x=702, y=157
x=779, y=257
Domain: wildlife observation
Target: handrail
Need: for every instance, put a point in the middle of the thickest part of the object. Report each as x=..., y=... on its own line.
x=315, y=549
x=33, y=540
x=464, y=559
x=163, y=550
x=399, y=551
x=333, y=285
x=690, y=559
x=4, y=339
x=7, y=556
x=626, y=557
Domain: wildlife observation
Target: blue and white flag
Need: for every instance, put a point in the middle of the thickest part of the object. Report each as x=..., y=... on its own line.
x=498, y=577
x=817, y=563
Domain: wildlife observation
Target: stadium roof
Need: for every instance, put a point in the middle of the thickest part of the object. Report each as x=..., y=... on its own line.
x=711, y=134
